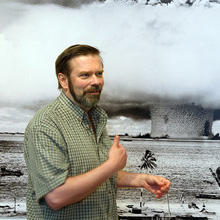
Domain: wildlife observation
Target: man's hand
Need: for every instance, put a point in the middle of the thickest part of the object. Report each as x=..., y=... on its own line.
x=155, y=184
x=117, y=154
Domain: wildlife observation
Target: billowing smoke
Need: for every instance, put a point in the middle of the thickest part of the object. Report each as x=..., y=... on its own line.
x=66, y=3
x=150, y=53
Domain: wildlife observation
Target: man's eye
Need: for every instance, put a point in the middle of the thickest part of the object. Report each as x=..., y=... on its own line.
x=84, y=75
x=99, y=74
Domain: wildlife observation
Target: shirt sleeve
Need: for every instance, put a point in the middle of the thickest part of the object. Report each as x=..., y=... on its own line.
x=48, y=160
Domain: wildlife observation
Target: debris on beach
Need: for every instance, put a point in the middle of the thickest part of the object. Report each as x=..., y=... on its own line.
x=216, y=175
x=6, y=172
x=208, y=196
x=193, y=205
x=5, y=208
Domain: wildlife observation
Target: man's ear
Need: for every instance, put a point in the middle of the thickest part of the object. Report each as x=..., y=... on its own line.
x=63, y=81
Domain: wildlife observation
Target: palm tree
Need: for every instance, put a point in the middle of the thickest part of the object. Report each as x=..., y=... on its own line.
x=149, y=163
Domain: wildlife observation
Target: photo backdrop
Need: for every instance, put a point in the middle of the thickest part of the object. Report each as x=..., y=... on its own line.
x=161, y=78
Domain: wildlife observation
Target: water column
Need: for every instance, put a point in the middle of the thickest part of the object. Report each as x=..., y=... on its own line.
x=180, y=120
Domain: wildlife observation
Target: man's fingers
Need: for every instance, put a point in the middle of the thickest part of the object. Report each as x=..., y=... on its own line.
x=116, y=140
x=158, y=186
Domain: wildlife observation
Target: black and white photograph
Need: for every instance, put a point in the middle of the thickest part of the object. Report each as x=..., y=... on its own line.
x=159, y=87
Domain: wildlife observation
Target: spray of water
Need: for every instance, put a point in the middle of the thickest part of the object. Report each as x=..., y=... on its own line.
x=166, y=51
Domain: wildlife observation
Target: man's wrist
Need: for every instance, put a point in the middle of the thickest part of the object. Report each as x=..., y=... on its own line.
x=111, y=166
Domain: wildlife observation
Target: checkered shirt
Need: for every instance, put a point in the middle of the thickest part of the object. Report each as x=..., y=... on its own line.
x=59, y=142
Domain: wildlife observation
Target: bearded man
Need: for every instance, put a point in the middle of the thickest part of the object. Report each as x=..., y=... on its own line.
x=73, y=168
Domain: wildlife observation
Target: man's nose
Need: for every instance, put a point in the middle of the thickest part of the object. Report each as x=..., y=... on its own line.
x=94, y=80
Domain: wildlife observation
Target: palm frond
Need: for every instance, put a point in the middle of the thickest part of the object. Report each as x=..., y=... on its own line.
x=148, y=161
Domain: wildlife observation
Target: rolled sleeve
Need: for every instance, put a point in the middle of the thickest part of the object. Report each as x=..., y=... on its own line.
x=48, y=160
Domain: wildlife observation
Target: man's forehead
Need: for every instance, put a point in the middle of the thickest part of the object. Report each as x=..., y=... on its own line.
x=84, y=61
x=85, y=58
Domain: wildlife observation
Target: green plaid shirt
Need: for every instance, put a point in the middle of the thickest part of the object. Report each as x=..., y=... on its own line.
x=59, y=142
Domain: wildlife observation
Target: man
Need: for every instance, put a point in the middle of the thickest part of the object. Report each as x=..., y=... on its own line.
x=73, y=167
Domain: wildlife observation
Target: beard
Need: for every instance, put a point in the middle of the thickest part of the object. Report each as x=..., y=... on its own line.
x=86, y=100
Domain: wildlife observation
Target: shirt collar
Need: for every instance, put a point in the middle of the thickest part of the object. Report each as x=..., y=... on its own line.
x=97, y=113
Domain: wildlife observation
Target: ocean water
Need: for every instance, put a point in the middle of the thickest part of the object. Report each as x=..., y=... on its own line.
x=15, y=119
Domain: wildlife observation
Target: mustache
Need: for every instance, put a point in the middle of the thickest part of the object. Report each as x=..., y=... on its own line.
x=94, y=88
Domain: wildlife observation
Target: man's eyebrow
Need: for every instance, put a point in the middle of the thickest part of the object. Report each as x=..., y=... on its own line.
x=84, y=71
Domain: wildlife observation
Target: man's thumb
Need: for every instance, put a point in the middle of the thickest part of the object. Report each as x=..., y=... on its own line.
x=116, y=140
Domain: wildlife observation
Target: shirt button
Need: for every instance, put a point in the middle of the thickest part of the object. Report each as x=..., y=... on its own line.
x=89, y=127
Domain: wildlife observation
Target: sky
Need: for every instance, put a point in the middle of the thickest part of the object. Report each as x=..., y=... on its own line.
x=151, y=53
